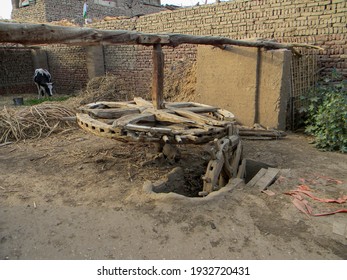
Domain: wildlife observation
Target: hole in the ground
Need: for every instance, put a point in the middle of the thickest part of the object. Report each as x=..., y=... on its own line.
x=253, y=167
x=183, y=182
x=185, y=177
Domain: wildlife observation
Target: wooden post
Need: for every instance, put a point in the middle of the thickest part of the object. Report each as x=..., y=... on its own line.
x=158, y=77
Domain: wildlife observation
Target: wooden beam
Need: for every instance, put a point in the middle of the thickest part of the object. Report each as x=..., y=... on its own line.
x=158, y=77
x=43, y=34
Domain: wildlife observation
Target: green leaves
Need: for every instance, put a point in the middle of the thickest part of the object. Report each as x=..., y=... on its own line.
x=327, y=114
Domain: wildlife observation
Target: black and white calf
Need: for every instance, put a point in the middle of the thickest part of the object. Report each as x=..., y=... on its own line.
x=43, y=81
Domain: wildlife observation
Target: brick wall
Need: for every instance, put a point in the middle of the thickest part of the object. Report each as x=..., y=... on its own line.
x=306, y=21
x=56, y=10
x=16, y=71
x=68, y=68
x=35, y=12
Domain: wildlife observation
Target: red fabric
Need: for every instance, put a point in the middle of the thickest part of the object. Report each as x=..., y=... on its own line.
x=303, y=205
x=307, y=191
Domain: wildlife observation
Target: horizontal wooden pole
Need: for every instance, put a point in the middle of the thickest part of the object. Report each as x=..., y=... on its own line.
x=44, y=34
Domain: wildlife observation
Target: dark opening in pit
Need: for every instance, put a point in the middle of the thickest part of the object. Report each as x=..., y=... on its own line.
x=184, y=182
x=188, y=182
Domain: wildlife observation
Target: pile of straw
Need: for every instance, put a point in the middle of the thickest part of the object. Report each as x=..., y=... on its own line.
x=33, y=122
x=105, y=88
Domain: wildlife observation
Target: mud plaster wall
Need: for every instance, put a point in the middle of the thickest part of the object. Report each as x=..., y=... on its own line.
x=254, y=86
x=316, y=22
x=305, y=21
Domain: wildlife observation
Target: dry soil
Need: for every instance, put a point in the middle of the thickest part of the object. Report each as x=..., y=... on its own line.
x=77, y=196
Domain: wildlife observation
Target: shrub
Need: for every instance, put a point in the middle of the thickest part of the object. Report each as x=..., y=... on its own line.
x=327, y=114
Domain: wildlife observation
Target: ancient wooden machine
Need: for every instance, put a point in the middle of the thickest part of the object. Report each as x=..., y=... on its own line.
x=175, y=123
x=170, y=123
x=156, y=121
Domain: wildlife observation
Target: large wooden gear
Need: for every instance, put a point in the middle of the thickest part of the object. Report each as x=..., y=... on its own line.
x=176, y=123
x=170, y=123
x=156, y=121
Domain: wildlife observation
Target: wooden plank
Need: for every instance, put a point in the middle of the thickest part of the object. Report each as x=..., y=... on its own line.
x=242, y=170
x=267, y=179
x=255, y=179
x=213, y=170
x=178, y=104
x=226, y=114
x=260, y=132
x=110, y=104
x=142, y=102
x=236, y=161
x=96, y=127
x=193, y=109
x=133, y=118
x=199, y=118
x=158, y=77
x=144, y=128
x=190, y=106
x=110, y=113
x=163, y=116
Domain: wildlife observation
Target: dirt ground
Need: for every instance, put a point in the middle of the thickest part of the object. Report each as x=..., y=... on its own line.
x=74, y=195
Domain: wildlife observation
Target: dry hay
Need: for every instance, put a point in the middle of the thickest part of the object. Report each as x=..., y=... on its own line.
x=179, y=85
x=109, y=18
x=104, y=88
x=64, y=22
x=33, y=122
x=180, y=82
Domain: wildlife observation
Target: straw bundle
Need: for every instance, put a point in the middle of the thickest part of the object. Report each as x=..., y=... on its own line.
x=105, y=88
x=33, y=122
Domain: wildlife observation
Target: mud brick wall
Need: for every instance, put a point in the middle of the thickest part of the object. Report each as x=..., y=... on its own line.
x=72, y=10
x=68, y=68
x=35, y=12
x=320, y=22
x=16, y=71
x=306, y=21
x=133, y=64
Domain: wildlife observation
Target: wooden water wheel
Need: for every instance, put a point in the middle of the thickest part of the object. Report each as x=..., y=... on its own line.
x=170, y=123
x=176, y=123
x=159, y=121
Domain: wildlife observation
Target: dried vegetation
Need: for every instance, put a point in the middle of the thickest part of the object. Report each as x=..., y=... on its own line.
x=33, y=122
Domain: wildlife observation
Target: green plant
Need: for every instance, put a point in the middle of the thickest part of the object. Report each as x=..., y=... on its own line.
x=327, y=114
x=30, y=102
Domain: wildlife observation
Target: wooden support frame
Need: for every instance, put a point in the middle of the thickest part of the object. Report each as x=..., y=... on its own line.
x=158, y=77
x=43, y=34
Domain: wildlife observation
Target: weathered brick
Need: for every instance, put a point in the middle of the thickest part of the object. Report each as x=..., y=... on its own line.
x=306, y=21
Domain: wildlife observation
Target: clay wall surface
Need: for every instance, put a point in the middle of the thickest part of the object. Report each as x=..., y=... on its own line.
x=252, y=84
